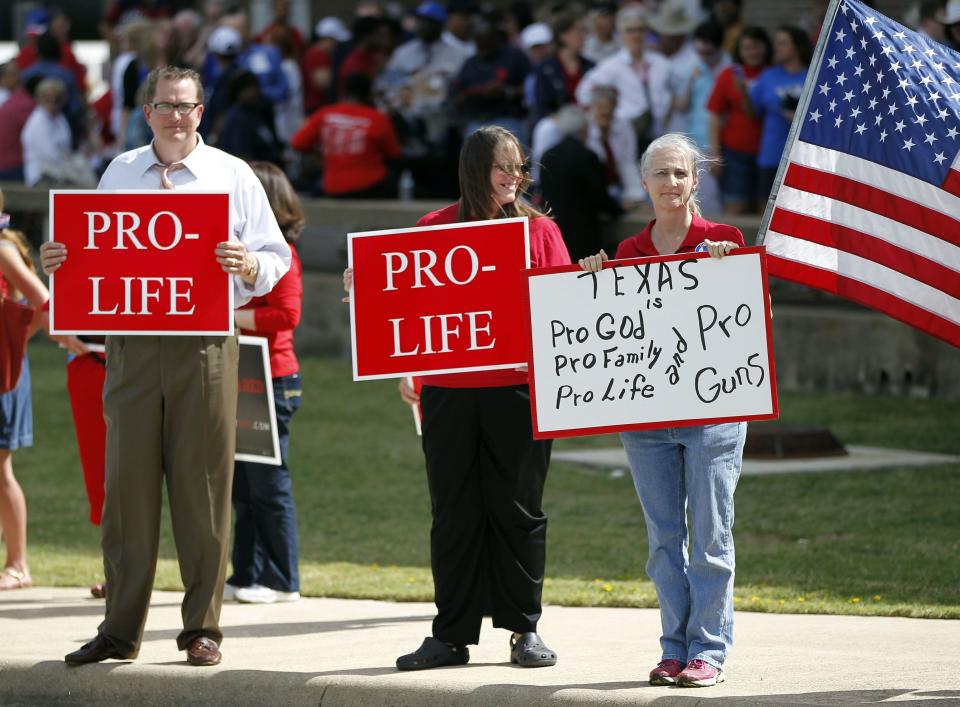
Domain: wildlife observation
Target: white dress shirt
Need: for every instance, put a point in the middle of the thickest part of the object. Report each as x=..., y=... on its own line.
x=46, y=141
x=619, y=71
x=210, y=169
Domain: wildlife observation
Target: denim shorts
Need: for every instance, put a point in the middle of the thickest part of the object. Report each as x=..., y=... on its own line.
x=16, y=413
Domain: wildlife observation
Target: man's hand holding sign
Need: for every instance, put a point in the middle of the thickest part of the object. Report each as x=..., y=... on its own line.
x=143, y=262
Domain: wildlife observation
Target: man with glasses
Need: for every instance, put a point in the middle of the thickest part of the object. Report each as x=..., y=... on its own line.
x=170, y=402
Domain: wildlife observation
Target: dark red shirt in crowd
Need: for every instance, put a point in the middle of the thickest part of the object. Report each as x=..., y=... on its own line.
x=295, y=37
x=316, y=60
x=362, y=60
x=277, y=314
x=741, y=131
x=547, y=249
x=641, y=244
x=13, y=116
x=355, y=142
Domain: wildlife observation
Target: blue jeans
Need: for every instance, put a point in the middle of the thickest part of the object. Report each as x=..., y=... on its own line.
x=673, y=469
x=265, y=533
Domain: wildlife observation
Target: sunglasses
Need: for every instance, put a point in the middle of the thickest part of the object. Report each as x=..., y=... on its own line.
x=514, y=170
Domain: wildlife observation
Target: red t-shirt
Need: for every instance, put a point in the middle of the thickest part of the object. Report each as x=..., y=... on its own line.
x=641, y=244
x=546, y=250
x=295, y=37
x=741, y=131
x=28, y=57
x=355, y=142
x=277, y=314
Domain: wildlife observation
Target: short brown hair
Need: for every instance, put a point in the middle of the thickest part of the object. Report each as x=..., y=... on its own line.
x=283, y=199
x=172, y=73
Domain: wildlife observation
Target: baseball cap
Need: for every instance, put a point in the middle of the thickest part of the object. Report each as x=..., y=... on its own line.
x=432, y=11
x=36, y=22
x=332, y=28
x=225, y=40
x=536, y=34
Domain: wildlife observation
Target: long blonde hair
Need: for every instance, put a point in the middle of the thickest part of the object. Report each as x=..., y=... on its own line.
x=18, y=238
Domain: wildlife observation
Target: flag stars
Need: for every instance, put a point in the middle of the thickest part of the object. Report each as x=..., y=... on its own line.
x=879, y=77
x=824, y=88
x=903, y=84
x=833, y=106
x=930, y=52
x=841, y=79
x=883, y=135
x=926, y=79
x=934, y=96
x=892, y=108
x=886, y=92
x=858, y=70
x=815, y=116
x=873, y=57
x=832, y=62
x=895, y=66
x=930, y=138
x=848, y=96
x=877, y=119
x=907, y=48
x=868, y=21
x=948, y=81
x=872, y=104
x=841, y=35
x=850, y=53
x=916, y=64
x=863, y=43
x=908, y=144
x=886, y=49
x=861, y=129
x=911, y=101
x=866, y=88
x=899, y=126
x=878, y=35
x=901, y=35
x=943, y=114
x=837, y=121
x=855, y=113
x=940, y=158
x=952, y=133
x=921, y=120
x=854, y=26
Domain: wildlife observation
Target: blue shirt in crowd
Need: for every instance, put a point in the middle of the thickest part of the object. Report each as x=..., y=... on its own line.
x=768, y=94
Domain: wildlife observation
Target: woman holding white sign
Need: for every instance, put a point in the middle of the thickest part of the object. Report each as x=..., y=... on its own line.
x=484, y=469
x=680, y=468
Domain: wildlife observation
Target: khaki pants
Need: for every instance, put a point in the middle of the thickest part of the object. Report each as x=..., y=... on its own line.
x=170, y=405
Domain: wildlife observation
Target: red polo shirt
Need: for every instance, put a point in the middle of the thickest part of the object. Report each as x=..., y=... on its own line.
x=546, y=250
x=641, y=245
x=277, y=314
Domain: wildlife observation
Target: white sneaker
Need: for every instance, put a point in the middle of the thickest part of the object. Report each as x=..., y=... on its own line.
x=287, y=596
x=255, y=595
x=230, y=592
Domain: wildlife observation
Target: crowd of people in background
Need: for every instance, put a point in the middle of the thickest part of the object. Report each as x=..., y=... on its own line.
x=377, y=105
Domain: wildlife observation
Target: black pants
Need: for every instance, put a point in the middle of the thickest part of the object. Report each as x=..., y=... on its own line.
x=488, y=539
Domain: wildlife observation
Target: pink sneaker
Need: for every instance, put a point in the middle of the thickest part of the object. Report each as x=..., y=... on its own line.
x=699, y=673
x=666, y=672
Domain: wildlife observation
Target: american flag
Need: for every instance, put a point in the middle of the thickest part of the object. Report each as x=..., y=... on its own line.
x=868, y=204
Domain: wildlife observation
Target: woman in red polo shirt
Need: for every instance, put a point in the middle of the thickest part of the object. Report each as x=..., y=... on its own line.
x=484, y=469
x=677, y=469
x=265, y=558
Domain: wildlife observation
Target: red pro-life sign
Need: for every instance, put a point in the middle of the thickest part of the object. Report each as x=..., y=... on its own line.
x=140, y=262
x=438, y=299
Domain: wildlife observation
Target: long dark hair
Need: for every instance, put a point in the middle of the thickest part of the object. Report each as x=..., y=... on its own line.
x=800, y=40
x=476, y=161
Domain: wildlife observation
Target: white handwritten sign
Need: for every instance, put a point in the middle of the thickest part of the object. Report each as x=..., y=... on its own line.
x=651, y=342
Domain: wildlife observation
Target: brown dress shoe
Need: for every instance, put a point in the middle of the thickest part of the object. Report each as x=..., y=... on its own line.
x=203, y=651
x=100, y=648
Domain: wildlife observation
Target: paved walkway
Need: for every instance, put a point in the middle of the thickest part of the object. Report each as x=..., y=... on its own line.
x=858, y=459
x=339, y=652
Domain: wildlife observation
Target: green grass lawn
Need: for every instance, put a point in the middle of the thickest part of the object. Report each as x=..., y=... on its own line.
x=882, y=543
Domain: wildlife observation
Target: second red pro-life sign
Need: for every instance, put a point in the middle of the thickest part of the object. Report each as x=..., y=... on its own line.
x=438, y=299
x=140, y=263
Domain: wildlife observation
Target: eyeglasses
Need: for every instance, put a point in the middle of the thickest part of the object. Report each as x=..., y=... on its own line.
x=514, y=170
x=168, y=108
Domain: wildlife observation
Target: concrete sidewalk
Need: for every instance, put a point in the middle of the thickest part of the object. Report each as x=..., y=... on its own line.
x=339, y=652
